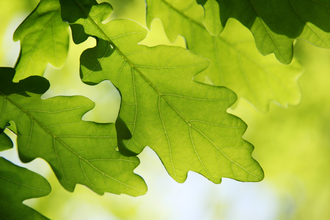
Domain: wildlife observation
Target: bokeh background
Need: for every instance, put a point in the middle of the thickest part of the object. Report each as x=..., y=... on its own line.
x=291, y=144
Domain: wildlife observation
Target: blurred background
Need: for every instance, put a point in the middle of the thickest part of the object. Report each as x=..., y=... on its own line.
x=291, y=144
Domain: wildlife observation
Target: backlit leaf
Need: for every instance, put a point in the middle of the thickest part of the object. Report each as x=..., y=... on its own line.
x=44, y=39
x=212, y=17
x=183, y=121
x=235, y=61
x=78, y=151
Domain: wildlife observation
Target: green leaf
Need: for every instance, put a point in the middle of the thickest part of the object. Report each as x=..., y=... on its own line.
x=178, y=17
x=235, y=61
x=276, y=24
x=44, y=39
x=252, y=76
x=212, y=17
x=162, y=106
x=5, y=141
x=16, y=185
x=71, y=14
x=78, y=151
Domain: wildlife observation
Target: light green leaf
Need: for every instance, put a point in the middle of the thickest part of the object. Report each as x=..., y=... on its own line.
x=235, y=61
x=44, y=39
x=254, y=77
x=78, y=151
x=16, y=185
x=178, y=17
x=183, y=121
x=276, y=24
x=212, y=17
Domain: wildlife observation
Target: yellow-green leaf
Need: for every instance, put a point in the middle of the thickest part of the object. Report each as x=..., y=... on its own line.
x=78, y=151
x=234, y=60
x=44, y=39
x=183, y=121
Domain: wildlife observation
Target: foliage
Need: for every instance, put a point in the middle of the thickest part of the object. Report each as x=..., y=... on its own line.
x=16, y=185
x=235, y=62
x=174, y=100
x=44, y=38
x=52, y=129
x=275, y=25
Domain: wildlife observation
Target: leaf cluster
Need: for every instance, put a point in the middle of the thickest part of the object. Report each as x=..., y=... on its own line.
x=173, y=99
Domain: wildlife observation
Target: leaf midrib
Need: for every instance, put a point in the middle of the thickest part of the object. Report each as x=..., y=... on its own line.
x=156, y=90
x=127, y=60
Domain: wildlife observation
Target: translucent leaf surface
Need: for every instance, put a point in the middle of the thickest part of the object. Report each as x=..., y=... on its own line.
x=44, y=39
x=78, y=151
x=235, y=61
x=183, y=121
x=212, y=17
x=276, y=24
x=16, y=185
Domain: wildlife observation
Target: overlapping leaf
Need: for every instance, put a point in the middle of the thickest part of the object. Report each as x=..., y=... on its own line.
x=183, y=121
x=212, y=17
x=78, y=151
x=44, y=39
x=78, y=33
x=16, y=185
x=5, y=142
x=235, y=62
x=276, y=24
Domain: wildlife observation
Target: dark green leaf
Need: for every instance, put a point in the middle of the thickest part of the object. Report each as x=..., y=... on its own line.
x=276, y=24
x=5, y=141
x=71, y=13
x=16, y=185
